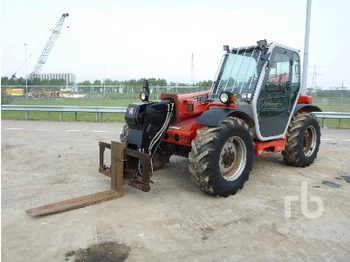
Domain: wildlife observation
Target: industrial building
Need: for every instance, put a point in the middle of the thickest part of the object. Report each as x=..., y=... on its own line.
x=69, y=77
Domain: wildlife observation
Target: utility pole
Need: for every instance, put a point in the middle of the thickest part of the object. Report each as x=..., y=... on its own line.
x=314, y=78
x=103, y=86
x=192, y=70
x=104, y=82
x=341, y=96
x=306, y=48
x=25, y=61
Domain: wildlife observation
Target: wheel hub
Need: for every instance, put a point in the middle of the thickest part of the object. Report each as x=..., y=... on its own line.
x=227, y=157
x=232, y=158
x=309, y=141
x=306, y=139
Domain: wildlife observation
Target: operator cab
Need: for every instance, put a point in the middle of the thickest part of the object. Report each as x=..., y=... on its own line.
x=264, y=82
x=238, y=72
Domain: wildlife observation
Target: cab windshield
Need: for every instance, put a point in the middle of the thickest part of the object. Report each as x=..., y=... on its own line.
x=238, y=73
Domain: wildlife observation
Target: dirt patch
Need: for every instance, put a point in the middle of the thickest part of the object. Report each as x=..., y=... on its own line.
x=101, y=252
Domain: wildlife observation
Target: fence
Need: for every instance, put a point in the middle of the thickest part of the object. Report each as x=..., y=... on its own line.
x=332, y=115
x=332, y=100
x=103, y=94
x=98, y=110
x=89, y=95
x=122, y=95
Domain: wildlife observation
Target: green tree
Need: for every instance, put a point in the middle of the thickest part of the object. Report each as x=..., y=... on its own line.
x=86, y=82
x=156, y=82
x=45, y=82
x=36, y=81
x=109, y=82
x=57, y=82
x=4, y=80
x=205, y=83
x=21, y=81
x=97, y=82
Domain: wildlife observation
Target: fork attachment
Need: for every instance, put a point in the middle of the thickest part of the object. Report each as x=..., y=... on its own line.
x=137, y=168
x=115, y=172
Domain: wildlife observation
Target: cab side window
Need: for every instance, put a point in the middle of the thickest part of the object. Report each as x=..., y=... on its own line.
x=295, y=79
x=282, y=84
x=278, y=78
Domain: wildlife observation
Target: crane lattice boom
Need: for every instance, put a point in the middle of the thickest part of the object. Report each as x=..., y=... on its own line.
x=48, y=47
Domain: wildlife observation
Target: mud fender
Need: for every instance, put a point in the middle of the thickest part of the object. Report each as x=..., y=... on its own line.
x=306, y=108
x=215, y=115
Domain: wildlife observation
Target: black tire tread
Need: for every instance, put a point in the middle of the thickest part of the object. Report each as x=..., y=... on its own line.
x=292, y=154
x=199, y=157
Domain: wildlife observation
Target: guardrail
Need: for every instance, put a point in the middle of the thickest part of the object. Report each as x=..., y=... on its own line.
x=332, y=115
x=98, y=110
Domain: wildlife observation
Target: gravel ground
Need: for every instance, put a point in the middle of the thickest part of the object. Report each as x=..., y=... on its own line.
x=44, y=162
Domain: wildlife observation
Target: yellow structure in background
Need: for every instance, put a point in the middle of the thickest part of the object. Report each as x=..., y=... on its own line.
x=15, y=91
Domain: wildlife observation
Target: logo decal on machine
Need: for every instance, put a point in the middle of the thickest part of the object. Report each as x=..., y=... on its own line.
x=131, y=110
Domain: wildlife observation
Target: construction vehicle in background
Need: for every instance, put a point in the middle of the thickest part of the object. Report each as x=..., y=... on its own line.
x=43, y=93
x=15, y=91
x=46, y=51
x=254, y=106
x=48, y=47
x=46, y=93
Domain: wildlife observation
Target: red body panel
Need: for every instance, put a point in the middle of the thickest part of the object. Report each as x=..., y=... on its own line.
x=272, y=146
x=305, y=99
x=182, y=133
x=188, y=107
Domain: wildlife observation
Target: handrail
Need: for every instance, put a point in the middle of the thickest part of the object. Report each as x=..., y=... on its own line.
x=82, y=109
x=331, y=115
x=110, y=109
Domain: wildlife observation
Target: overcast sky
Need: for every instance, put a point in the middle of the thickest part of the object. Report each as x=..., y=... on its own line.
x=124, y=39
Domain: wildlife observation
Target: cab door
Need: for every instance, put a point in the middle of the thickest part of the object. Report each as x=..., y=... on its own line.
x=279, y=92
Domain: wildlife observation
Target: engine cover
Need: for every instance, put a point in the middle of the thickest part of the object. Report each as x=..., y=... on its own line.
x=147, y=122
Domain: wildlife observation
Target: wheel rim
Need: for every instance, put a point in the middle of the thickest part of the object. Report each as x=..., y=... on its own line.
x=310, y=140
x=233, y=157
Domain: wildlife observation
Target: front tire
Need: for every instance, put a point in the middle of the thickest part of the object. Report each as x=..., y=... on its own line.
x=222, y=157
x=303, y=140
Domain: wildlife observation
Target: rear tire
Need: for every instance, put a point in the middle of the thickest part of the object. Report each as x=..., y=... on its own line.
x=124, y=133
x=160, y=158
x=222, y=157
x=303, y=140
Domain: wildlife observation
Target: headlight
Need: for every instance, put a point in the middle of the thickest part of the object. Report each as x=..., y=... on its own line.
x=247, y=96
x=143, y=96
x=224, y=98
x=227, y=98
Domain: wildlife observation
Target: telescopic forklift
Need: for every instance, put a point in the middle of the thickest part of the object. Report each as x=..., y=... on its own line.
x=254, y=106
